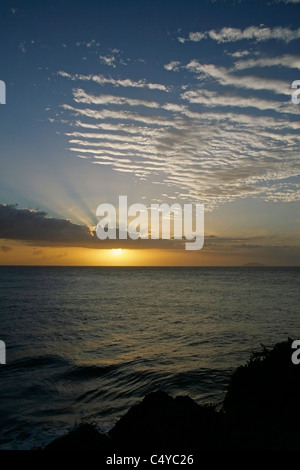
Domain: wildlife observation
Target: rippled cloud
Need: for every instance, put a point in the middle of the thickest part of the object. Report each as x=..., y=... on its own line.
x=224, y=132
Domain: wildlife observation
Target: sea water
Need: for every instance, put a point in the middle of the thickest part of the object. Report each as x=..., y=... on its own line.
x=86, y=343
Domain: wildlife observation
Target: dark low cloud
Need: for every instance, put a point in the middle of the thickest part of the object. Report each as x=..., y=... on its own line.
x=5, y=248
x=27, y=224
x=36, y=228
x=37, y=252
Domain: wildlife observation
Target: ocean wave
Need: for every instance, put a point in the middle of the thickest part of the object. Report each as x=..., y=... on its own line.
x=36, y=362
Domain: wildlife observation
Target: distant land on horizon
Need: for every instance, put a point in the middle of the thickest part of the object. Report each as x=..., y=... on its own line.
x=247, y=265
x=253, y=264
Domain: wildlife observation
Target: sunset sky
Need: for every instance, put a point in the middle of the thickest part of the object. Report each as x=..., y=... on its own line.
x=163, y=101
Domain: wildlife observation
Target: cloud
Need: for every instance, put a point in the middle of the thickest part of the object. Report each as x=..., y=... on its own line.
x=210, y=157
x=22, y=47
x=101, y=80
x=36, y=228
x=80, y=96
x=196, y=37
x=252, y=82
x=120, y=115
x=27, y=224
x=288, y=61
x=37, y=252
x=255, y=33
x=210, y=154
x=119, y=127
x=110, y=137
x=213, y=99
x=88, y=44
x=5, y=248
x=239, y=54
x=174, y=66
x=108, y=60
x=144, y=149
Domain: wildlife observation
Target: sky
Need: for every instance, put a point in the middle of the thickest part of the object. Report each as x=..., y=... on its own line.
x=186, y=102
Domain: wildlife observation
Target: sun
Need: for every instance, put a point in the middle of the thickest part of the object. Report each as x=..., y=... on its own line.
x=117, y=251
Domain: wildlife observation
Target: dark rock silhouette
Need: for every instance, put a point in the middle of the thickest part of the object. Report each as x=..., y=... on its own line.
x=164, y=423
x=268, y=383
x=261, y=410
x=262, y=400
x=83, y=437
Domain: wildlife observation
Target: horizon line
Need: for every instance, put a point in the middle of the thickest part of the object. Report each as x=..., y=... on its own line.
x=146, y=266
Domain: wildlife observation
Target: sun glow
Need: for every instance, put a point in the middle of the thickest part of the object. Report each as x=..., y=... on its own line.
x=117, y=251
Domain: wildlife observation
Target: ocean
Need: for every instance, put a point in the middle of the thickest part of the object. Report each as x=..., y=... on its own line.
x=86, y=343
